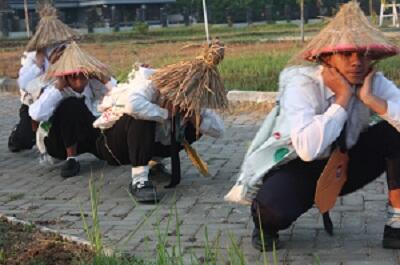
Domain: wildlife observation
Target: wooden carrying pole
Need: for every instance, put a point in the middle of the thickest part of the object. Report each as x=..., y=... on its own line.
x=28, y=32
x=206, y=22
x=175, y=148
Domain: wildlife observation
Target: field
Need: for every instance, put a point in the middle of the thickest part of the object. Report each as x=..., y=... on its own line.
x=254, y=55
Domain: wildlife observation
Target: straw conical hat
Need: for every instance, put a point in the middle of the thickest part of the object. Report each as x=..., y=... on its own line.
x=50, y=31
x=349, y=31
x=193, y=85
x=76, y=61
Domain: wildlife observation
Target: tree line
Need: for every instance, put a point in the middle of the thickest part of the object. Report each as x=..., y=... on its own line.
x=225, y=11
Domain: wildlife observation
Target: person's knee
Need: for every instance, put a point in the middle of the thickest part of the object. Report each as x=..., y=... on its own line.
x=70, y=106
x=272, y=218
x=53, y=150
x=389, y=138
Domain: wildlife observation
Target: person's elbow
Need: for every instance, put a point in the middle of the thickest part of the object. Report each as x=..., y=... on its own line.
x=36, y=114
x=21, y=83
x=305, y=149
x=136, y=106
x=306, y=156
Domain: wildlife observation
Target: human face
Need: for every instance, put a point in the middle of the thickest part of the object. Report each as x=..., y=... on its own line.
x=353, y=66
x=77, y=82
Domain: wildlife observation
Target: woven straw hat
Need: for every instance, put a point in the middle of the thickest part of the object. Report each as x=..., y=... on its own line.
x=349, y=31
x=196, y=84
x=76, y=61
x=50, y=31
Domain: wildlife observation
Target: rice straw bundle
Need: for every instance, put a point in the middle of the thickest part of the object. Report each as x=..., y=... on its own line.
x=196, y=160
x=349, y=31
x=50, y=31
x=76, y=61
x=193, y=85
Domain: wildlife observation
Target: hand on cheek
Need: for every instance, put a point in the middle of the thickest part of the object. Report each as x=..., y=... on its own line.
x=338, y=84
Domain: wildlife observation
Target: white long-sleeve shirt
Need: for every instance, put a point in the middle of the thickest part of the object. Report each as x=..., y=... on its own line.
x=44, y=107
x=139, y=99
x=29, y=69
x=316, y=121
x=28, y=72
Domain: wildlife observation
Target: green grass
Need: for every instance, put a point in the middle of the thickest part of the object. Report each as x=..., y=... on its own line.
x=258, y=71
x=93, y=230
x=390, y=68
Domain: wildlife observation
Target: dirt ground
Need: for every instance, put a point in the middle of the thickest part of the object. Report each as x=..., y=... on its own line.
x=122, y=55
x=26, y=245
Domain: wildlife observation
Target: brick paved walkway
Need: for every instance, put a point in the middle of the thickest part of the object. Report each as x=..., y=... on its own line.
x=32, y=192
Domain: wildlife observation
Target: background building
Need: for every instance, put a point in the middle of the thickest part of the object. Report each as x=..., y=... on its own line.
x=92, y=13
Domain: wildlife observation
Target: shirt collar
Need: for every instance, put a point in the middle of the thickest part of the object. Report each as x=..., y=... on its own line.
x=85, y=93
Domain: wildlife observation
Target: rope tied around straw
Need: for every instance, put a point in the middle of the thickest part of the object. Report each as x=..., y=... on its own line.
x=47, y=11
x=213, y=55
x=50, y=30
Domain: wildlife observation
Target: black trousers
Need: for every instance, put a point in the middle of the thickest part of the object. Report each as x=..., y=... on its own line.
x=72, y=124
x=132, y=142
x=22, y=136
x=289, y=191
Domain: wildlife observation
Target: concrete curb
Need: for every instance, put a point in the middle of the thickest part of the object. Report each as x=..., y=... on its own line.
x=257, y=97
x=46, y=230
x=9, y=85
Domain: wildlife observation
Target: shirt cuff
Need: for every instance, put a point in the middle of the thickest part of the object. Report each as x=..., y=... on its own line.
x=110, y=85
x=393, y=111
x=164, y=113
x=338, y=113
x=113, y=82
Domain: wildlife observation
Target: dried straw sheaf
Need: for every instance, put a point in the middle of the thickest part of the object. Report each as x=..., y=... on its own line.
x=50, y=31
x=201, y=166
x=351, y=31
x=76, y=61
x=193, y=85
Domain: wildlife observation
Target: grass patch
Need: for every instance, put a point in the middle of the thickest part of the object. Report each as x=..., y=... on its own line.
x=258, y=71
x=390, y=68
